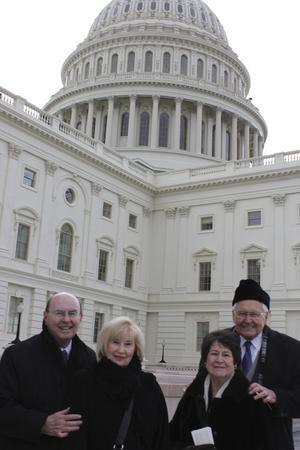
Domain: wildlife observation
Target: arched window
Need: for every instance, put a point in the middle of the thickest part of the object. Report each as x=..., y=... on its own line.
x=179, y=8
x=183, y=133
x=235, y=85
x=167, y=6
x=140, y=6
x=93, y=127
x=214, y=73
x=183, y=65
x=226, y=79
x=163, y=130
x=86, y=70
x=78, y=125
x=114, y=63
x=65, y=248
x=166, y=62
x=192, y=12
x=144, y=128
x=153, y=6
x=130, y=62
x=228, y=145
x=104, y=129
x=124, y=123
x=200, y=68
x=99, y=66
x=127, y=8
x=148, y=61
x=77, y=74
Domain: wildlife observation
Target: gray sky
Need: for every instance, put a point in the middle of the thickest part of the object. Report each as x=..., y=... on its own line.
x=36, y=37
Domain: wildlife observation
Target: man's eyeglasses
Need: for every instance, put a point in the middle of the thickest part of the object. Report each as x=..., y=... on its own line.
x=251, y=314
x=61, y=314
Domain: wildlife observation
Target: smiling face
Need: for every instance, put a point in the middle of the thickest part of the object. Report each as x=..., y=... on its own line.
x=219, y=362
x=63, y=318
x=249, y=318
x=121, y=348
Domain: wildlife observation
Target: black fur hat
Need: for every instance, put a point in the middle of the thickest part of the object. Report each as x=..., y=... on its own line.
x=250, y=290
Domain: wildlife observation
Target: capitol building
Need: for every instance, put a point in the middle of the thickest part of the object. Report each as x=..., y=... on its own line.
x=142, y=186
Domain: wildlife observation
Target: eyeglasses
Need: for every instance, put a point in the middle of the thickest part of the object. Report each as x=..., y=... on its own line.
x=251, y=314
x=61, y=314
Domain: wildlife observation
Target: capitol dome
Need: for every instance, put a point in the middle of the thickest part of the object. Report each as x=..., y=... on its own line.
x=156, y=81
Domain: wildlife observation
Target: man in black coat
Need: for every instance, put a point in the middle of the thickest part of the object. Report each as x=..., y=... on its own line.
x=35, y=376
x=271, y=362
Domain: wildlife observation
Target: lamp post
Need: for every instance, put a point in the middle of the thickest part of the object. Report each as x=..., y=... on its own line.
x=163, y=353
x=20, y=308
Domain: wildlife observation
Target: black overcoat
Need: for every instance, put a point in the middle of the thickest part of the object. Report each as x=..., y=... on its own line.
x=102, y=396
x=34, y=384
x=235, y=418
x=281, y=373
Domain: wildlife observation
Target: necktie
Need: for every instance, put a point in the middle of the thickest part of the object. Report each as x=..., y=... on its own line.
x=247, y=360
x=65, y=356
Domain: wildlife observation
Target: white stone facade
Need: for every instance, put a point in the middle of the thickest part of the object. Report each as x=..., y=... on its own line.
x=156, y=217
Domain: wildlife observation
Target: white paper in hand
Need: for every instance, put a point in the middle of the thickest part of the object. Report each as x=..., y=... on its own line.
x=203, y=436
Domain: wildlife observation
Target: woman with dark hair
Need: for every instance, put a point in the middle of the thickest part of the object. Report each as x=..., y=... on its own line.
x=218, y=397
x=121, y=405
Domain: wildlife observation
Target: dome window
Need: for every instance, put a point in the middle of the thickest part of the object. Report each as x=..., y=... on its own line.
x=179, y=8
x=114, y=63
x=226, y=78
x=153, y=6
x=127, y=8
x=183, y=65
x=192, y=12
x=124, y=123
x=148, y=61
x=140, y=6
x=200, y=68
x=163, y=130
x=70, y=196
x=86, y=70
x=104, y=128
x=115, y=11
x=130, y=62
x=183, y=133
x=214, y=73
x=99, y=66
x=167, y=6
x=144, y=128
x=166, y=62
x=203, y=17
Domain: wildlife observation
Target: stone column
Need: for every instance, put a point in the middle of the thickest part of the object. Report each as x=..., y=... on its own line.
x=260, y=146
x=90, y=116
x=228, y=246
x=169, y=268
x=178, y=103
x=246, y=135
x=255, y=143
x=218, y=137
x=234, y=138
x=199, y=128
x=279, y=241
x=181, y=269
x=42, y=261
x=121, y=227
x=154, y=122
x=3, y=306
x=209, y=136
x=37, y=307
x=132, y=124
x=73, y=116
x=110, y=125
x=98, y=122
x=11, y=174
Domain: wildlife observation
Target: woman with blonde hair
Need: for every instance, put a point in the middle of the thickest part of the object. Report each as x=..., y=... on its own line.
x=121, y=405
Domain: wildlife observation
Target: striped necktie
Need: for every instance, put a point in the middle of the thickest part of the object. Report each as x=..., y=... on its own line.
x=247, y=359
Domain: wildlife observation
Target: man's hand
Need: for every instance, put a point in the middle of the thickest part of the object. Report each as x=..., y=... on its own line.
x=60, y=424
x=258, y=391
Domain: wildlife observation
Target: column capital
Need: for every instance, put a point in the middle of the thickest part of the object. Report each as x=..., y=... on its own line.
x=155, y=97
x=51, y=168
x=229, y=205
x=14, y=151
x=170, y=213
x=123, y=201
x=96, y=189
x=279, y=199
x=146, y=211
x=184, y=211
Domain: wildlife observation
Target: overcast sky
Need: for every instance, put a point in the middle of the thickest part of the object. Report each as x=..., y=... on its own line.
x=36, y=36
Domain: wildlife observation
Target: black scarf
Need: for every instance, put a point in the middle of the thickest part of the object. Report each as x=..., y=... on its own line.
x=120, y=382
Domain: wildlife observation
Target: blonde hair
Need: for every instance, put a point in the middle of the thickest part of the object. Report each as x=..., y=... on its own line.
x=115, y=328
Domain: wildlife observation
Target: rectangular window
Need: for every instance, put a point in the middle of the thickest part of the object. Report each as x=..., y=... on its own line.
x=22, y=241
x=107, y=210
x=132, y=222
x=206, y=223
x=129, y=273
x=13, y=316
x=201, y=331
x=98, y=324
x=102, y=268
x=204, y=276
x=254, y=218
x=253, y=269
x=29, y=177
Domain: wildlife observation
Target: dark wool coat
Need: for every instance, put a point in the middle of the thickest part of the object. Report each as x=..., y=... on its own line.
x=34, y=384
x=281, y=373
x=102, y=396
x=235, y=418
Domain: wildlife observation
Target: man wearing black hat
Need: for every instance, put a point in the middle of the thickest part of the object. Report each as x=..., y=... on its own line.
x=271, y=362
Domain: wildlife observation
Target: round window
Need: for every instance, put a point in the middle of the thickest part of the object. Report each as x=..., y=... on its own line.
x=70, y=196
